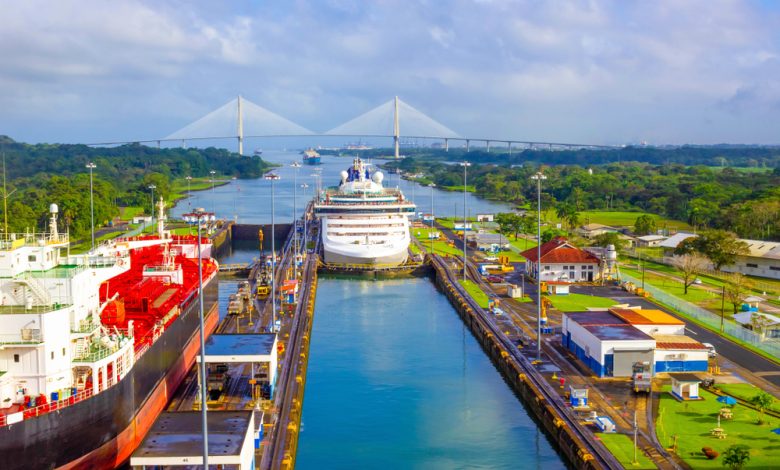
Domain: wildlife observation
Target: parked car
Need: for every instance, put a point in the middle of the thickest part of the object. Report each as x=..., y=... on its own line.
x=710, y=349
x=494, y=279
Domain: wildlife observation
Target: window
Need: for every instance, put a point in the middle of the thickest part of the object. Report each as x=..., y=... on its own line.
x=751, y=265
x=16, y=358
x=32, y=258
x=774, y=268
x=63, y=351
x=547, y=268
x=52, y=355
x=583, y=275
x=584, y=267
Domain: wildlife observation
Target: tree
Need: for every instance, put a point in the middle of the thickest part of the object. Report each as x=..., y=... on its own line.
x=737, y=287
x=762, y=401
x=644, y=225
x=736, y=456
x=529, y=227
x=610, y=238
x=551, y=233
x=691, y=265
x=720, y=246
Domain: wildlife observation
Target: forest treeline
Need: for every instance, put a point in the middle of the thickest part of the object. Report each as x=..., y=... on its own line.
x=41, y=174
x=744, y=202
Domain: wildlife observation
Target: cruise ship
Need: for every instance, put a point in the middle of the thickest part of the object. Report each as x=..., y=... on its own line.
x=362, y=222
x=92, y=346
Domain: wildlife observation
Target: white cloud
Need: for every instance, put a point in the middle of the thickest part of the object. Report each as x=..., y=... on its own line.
x=487, y=66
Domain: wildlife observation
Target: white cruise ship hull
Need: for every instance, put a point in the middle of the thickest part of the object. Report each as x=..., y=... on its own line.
x=365, y=254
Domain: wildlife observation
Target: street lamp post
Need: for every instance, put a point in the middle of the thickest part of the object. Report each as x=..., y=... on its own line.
x=200, y=217
x=273, y=177
x=430, y=237
x=213, y=200
x=538, y=177
x=305, y=186
x=91, y=166
x=189, y=191
x=465, y=165
x=152, y=187
x=296, y=166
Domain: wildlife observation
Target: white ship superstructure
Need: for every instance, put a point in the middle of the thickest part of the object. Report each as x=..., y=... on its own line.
x=363, y=222
x=49, y=306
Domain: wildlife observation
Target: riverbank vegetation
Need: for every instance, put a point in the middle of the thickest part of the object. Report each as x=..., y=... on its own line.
x=747, y=203
x=41, y=174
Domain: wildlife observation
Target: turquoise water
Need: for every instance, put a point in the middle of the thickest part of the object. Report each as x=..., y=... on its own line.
x=396, y=381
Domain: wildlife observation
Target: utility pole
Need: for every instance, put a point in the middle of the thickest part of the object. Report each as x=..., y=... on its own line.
x=635, y=435
x=91, y=166
x=722, y=306
x=539, y=177
x=465, y=165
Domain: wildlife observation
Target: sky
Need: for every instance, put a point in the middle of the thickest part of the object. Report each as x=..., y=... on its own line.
x=598, y=72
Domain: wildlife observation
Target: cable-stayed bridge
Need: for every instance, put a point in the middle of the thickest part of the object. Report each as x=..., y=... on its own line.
x=241, y=119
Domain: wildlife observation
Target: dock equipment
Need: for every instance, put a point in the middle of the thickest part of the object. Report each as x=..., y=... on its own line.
x=176, y=440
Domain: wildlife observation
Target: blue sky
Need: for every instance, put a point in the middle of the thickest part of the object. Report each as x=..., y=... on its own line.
x=667, y=71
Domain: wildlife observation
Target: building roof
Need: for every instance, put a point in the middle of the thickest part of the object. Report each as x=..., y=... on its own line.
x=685, y=377
x=676, y=239
x=558, y=251
x=651, y=238
x=746, y=318
x=591, y=227
x=645, y=317
x=594, y=318
x=622, y=332
x=677, y=342
x=762, y=249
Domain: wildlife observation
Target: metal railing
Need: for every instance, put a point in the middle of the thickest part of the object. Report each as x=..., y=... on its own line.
x=25, y=336
x=771, y=346
x=48, y=407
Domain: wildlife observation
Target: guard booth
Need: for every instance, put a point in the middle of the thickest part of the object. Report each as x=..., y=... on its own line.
x=258, y=349
x=176, y=440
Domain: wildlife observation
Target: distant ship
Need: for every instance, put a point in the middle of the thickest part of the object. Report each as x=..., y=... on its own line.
x=94, y=345
x=311, y=156
x=363, y=222
x=258, y=152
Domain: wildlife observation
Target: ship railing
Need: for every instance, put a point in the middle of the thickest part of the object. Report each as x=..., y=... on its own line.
x=27, y=413
x=84, y=327
x=25, y=336
x=15, y=240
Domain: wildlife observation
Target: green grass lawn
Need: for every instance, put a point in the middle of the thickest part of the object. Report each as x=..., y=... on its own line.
x=745, y=392
x=475, y=292
x=440, y=247
x=691, y=422
x=522, y=244
x=127, y=213
x=84, y=246
x=578, y=302
x=622, y=447
x=696, y=294
x=623, y=218
x=469, y=188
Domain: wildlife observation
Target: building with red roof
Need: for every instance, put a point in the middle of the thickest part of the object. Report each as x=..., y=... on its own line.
x=562, y=261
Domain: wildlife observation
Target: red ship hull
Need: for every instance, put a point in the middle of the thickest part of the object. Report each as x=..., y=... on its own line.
x=118, y=450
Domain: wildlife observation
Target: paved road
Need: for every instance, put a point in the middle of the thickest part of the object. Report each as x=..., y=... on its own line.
x=758, y=365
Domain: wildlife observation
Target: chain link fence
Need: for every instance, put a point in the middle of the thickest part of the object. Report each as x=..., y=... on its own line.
x=771, y=346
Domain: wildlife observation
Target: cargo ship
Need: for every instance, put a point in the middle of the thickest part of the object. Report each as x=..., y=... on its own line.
x=363, y=222
x=311, y=156
x=93, y=346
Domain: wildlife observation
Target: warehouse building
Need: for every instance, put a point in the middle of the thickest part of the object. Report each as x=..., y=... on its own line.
x=610, y=342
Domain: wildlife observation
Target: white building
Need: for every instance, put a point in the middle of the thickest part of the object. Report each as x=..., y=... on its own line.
x=562, y=261
x=610, y=342
x=762, y=260
x=649, y=241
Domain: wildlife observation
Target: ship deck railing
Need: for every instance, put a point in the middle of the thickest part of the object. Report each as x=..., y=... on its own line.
x=32, y=412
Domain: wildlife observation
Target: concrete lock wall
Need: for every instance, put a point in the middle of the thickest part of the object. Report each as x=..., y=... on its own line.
x=250, y=232
x=570, y=446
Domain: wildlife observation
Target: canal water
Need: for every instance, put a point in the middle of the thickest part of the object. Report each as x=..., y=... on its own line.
x=249, y=201
x=395, y=380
